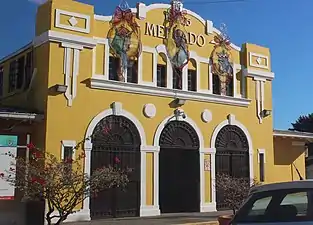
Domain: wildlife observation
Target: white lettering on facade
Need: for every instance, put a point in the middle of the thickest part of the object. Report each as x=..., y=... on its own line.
x=159, y=31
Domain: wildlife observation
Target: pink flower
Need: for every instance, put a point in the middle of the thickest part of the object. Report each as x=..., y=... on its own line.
x=37, y=154
x=117, y=160
x=42, y=181
x=69, y=160
x=38, y=180
x=1, y=175
x=30, y=146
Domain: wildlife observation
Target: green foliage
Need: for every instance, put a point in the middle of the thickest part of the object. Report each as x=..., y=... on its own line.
x=303, y=124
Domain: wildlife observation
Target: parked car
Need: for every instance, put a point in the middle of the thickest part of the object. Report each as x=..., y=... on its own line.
x=278, y=203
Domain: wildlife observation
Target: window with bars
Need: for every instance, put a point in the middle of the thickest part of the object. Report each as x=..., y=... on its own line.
x=161, y=75
x=192, y=80
x=261, y=155
x=20, y=72
x=16, y=74
x=28, y=69
x=13, y=75
x=67, y=158
x=261, y=160
x=177, y=79
x=68, y=154
x=1, y=80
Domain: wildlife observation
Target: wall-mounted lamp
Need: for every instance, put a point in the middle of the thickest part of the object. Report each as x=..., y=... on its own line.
x=180, y=102
x=60, y=88
x=266, y=113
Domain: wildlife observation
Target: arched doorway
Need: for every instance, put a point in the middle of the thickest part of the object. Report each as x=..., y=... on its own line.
x=116, y=136
x=179, y=168
x=232, y=156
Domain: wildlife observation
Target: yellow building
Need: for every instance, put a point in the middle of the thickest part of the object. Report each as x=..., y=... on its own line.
x=176, y=128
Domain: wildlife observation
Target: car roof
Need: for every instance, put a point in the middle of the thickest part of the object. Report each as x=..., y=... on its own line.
x=283, y=185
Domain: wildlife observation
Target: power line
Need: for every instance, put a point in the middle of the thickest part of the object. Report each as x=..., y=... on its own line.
x=212, y=2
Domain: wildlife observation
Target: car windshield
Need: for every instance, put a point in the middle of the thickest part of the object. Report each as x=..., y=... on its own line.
x=288, y=205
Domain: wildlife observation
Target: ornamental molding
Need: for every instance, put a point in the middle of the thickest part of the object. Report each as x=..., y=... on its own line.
x=72, y=21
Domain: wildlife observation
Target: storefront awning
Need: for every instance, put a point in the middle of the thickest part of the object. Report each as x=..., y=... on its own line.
x=20, y=114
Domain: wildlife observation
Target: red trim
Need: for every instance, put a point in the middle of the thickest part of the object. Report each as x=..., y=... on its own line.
x=6, y=197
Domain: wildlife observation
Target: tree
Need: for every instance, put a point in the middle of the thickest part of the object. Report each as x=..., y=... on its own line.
x=303, y=124
x=61, y=183
x=234, y=190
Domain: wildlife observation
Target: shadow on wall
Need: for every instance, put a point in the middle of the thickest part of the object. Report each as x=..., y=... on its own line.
x=285, y=153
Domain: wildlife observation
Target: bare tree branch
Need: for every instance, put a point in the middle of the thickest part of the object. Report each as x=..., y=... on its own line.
x=234, y=190
x=62, y=184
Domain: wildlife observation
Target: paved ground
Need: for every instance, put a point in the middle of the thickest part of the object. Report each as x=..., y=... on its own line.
x=168, y=219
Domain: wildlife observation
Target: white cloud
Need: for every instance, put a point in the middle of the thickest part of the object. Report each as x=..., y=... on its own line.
x=39, y=2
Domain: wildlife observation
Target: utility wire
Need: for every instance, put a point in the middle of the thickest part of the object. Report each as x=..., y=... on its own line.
x=212, y=2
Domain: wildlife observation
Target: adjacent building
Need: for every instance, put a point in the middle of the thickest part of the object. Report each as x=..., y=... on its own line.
x=177, y=125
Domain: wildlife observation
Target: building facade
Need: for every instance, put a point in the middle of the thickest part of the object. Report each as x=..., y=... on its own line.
x=177, y=128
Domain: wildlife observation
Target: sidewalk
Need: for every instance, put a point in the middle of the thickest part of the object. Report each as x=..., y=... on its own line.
x=167, y=219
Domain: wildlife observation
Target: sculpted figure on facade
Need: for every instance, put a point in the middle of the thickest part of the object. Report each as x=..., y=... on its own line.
x=176, y=39
x=222, y=60
x=124, y=37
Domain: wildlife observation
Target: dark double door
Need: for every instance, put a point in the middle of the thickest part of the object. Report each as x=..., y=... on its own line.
x=179, y=169
x=116, y=142
x=179, y=181
x=232, y=157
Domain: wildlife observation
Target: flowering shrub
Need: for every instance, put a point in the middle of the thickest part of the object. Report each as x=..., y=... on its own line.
x=62, y=184
x=234, y=190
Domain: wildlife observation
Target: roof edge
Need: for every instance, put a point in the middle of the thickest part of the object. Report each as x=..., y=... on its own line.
x=295, y=134
x=17, y=52
x=22, y=116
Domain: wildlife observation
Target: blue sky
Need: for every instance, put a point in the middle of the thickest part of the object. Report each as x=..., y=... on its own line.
x=285, y=26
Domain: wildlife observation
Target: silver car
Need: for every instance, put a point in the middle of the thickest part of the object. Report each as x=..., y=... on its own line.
x=278, y=203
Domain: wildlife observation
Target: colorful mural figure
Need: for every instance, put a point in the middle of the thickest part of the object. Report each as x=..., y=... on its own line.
x=124, y=37
x=176, y=38
x=222, y=60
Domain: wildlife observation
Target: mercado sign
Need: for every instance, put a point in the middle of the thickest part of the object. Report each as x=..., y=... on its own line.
x=7, y=144
x=159, y=31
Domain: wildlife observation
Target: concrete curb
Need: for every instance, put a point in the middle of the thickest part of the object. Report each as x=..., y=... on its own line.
x=201, y=223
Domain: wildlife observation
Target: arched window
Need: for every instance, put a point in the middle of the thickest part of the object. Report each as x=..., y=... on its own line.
x=178, y=134
x=192, y=75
